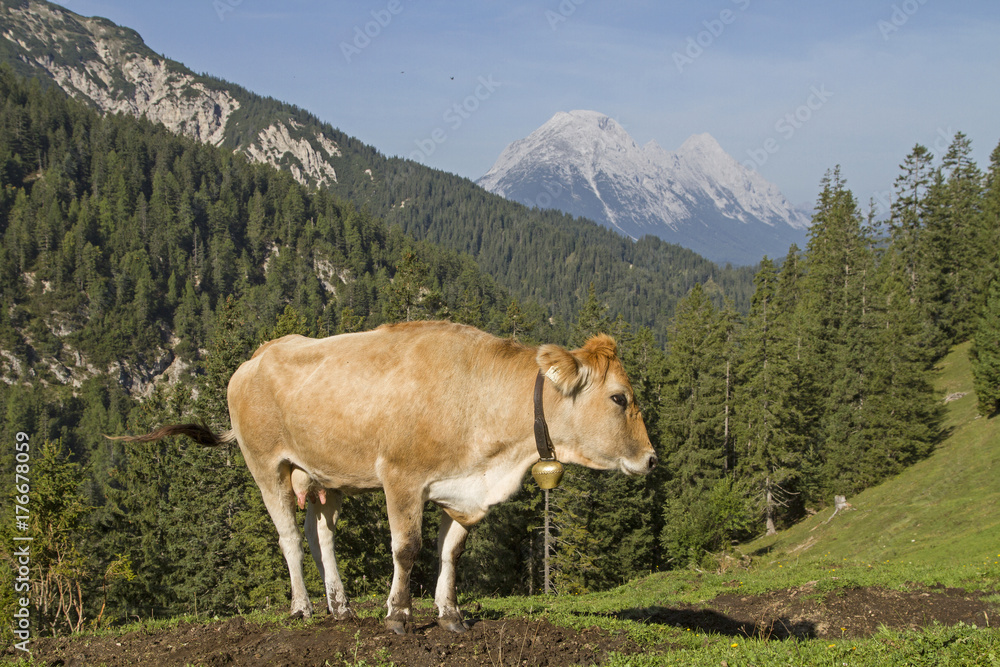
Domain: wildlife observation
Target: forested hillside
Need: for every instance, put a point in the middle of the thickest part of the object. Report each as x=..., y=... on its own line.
x=130, y=253
x=541, y=256
x=548, y=256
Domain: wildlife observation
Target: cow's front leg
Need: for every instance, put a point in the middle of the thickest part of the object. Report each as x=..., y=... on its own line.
x=405, y=508
x=451, y=542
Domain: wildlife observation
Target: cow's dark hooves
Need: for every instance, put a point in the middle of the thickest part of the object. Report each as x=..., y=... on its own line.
x=399, y=627
x=300, y=614
x=344, y=615
x=453, y=624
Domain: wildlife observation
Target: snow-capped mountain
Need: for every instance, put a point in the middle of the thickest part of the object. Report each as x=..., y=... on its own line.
x=584, y=163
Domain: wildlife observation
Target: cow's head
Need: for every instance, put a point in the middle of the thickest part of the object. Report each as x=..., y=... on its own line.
x=597, y=423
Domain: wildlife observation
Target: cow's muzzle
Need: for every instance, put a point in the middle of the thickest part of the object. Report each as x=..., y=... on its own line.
x=642, y=466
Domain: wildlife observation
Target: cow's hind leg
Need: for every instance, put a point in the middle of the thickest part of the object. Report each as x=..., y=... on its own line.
x=321, y=520
x=280, y=502
x=405, y=508
x=451, y=542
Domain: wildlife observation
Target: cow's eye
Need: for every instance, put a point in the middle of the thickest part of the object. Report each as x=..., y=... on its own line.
x=620, y=399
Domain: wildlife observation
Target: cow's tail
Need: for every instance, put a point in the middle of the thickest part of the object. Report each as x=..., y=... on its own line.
x=200, y=433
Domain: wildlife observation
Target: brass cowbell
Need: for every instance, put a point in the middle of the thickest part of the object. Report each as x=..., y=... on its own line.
x=547, y=472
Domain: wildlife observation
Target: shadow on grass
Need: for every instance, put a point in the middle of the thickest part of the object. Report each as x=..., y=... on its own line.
x=706, y=620
x=697, y=620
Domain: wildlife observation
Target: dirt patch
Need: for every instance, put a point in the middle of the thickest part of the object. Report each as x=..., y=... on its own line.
x=237, y=642
x=843, y=613
x=798, y=613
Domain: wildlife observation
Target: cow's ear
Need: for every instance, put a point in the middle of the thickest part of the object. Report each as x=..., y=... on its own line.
x=562, y=368
x=598, y=351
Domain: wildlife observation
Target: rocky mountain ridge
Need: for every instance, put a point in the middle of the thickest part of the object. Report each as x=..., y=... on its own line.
x=586, y=164
x=112, y=69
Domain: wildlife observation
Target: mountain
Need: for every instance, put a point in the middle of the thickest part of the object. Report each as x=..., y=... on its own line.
x=112, y=69
x=543, y=256
x=586, y=164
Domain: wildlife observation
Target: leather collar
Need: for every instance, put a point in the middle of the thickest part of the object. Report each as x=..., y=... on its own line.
x=542, y=440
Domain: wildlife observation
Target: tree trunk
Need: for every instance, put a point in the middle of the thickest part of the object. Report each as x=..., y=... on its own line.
x=769, y=509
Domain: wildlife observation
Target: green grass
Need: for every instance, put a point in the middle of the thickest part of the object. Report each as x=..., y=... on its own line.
x=936, y=523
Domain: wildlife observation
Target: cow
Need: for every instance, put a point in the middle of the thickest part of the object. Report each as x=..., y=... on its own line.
x=424, y=411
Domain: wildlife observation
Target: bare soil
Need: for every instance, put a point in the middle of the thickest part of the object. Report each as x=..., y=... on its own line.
x=779, y=615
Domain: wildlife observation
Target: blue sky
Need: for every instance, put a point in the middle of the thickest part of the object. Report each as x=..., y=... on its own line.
x=790, y=88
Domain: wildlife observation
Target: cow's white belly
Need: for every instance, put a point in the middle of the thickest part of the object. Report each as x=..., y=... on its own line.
x=467, y=498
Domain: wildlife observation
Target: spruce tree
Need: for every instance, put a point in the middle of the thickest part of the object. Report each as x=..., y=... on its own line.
x=134, y=518
x=985, y=355
x=768, y=427
x=835, y=302
x=899, y=416
x=62, y=540
x=692, y=423
x=954, y=244
x=924, y=259
x=989, y=227
x=210, y=486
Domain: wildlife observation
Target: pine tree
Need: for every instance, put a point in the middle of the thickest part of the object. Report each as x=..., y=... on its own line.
x=925, y=259
x=985, y=354
x=133, y=520
x=404, y=295
x=693, y=423
x=61, y=544
x=899, y=416
x=954, y=243
x=834, y=307
x=768, y=427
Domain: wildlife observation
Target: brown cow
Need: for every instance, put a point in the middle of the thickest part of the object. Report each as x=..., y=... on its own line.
x=426, y=411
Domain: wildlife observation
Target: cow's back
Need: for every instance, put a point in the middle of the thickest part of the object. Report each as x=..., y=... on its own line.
x=415, y=394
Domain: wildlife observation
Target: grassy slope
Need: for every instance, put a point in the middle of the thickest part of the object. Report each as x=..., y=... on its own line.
x=938, y=515
x=936, y=523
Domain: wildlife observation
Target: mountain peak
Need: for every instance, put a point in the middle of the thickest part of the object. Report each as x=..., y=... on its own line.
x=585, y=163
x=703, y=143
x=582, y=124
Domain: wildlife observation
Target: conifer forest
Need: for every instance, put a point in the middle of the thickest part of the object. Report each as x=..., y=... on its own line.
x=129, y=253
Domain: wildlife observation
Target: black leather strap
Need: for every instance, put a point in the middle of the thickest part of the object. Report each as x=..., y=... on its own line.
x=542, y=440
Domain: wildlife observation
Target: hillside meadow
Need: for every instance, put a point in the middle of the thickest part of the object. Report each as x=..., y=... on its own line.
x=909, y=576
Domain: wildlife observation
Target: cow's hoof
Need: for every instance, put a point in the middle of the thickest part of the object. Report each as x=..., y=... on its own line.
x=300, y=614
x=399, y=627
x=452, y=624
x=344, y=614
